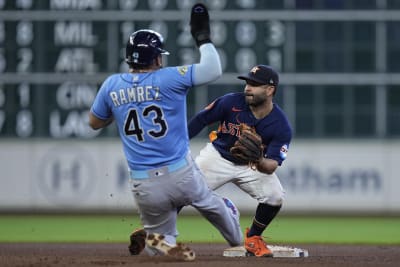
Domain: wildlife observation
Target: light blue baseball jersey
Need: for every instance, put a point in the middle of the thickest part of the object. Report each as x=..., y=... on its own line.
x=150, y=112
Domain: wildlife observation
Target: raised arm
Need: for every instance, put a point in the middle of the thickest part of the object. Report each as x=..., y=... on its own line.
x=209, y=68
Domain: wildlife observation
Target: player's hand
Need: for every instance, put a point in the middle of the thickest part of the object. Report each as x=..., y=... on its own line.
x=200, y=24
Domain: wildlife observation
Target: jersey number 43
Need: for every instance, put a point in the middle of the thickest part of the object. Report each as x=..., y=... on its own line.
x=133, y=127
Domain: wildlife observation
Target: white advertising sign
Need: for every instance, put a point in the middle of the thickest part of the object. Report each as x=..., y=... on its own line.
x=318, y=176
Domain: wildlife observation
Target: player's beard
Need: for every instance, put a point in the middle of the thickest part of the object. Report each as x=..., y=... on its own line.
x=255, y=100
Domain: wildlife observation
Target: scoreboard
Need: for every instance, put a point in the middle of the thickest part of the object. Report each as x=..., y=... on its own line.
x=54, y=54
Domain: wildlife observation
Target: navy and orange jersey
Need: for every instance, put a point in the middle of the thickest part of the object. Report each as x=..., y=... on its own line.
x=230, y=111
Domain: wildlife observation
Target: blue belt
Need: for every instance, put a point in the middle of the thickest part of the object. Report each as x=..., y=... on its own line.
x=145, y=174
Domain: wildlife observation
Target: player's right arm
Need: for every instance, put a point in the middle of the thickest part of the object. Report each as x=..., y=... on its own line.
x=214, y=112
x=209, y=68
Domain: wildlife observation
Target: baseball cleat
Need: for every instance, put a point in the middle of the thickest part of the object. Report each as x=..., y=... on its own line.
x=256, y=246
x=138, y=241
x=178, y=251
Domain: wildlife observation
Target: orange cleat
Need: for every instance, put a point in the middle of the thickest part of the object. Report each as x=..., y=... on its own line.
x=256, y=246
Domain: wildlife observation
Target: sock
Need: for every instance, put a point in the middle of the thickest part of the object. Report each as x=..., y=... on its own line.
x=265, y=213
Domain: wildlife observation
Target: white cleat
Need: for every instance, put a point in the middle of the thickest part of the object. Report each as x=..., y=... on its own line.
x=178, y=251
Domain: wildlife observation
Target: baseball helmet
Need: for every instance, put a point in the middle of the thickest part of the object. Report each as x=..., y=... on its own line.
x=143, y=47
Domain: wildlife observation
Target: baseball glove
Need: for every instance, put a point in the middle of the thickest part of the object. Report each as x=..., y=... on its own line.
x=248, y=149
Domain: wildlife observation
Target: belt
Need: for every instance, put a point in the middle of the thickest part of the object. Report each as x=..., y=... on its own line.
x=145, y=174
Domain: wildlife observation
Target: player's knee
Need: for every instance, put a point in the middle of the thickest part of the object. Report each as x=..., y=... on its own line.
x=275, y=199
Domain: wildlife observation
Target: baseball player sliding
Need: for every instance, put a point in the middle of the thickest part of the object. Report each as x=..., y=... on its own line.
x=252, y=141
x=148, y=105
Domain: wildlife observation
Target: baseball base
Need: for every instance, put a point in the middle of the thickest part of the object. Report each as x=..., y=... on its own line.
x=278, y=251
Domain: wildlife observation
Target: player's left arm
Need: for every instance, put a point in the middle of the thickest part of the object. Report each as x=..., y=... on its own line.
x=97, y=123
x=100, y=114
x=266, y=165
x=276, y=153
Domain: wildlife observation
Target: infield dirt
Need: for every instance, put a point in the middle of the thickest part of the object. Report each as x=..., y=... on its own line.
x=110, y=254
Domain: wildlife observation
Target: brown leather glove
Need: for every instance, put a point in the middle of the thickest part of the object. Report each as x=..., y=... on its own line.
x=248, y=149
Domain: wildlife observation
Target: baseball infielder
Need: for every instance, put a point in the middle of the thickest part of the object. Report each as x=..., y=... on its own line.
x=254, y=170
x=148, y=105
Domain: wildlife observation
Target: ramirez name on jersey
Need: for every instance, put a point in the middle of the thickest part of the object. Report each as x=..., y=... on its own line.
x=135, y=94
